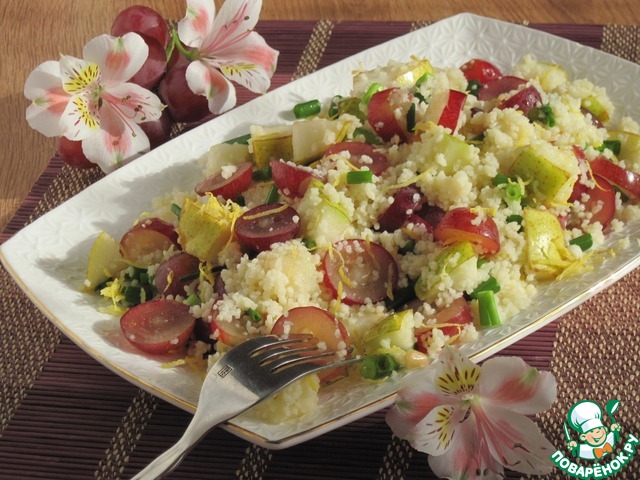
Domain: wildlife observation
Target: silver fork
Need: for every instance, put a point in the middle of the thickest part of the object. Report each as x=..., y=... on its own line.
x=246, y=374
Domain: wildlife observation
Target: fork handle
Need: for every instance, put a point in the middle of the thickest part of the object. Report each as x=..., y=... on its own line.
x=166, y=462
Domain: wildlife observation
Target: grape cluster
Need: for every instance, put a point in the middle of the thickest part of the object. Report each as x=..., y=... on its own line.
x=163, y=72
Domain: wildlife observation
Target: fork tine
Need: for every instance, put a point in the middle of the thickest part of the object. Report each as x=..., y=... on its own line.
x=284, y=362
x=301, y=367
x=271, y=354
x=256, y=344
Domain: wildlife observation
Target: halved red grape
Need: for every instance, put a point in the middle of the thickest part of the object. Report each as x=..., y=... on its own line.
x=142, y=20
x=322, y=325
x=175, y=273
x=377, y=162
x=230, y=187
x=524, y=100
x=406, y=201
x=454, y=316
x=480, y=71
x=229, y=333
x=360, y=270
x=264, y=225
x=182, y=103
x=461, y=224
x=144, y=243
x=496, y=87
x=290, y=179
x=153, y=68
x=158, y=326
x=601, y=203
x=382, y=117
x=624, y=179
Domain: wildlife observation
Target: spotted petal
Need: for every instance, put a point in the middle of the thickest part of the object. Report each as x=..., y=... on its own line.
x=468, y=457
x=49, y=100
x=510, y=382
x=116, y=143
x=456, y=375
x=81, y=118
x=234, y=22
x=118, y=58
x=436, y=432
x=196, y=26
x=251, y=62
x=134, y=103
x=78, y=75
x=513, y=439
x=207, y=81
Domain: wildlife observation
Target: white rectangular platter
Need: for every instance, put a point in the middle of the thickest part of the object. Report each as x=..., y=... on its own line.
x=48, y=257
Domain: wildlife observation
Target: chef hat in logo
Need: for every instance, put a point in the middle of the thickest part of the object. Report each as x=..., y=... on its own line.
x=585, y=415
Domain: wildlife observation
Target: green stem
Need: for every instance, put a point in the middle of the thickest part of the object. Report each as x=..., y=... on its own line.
x=190, y=55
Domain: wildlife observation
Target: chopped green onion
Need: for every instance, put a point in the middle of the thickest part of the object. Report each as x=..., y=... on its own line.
x=240, y=200
x=543, y=114
x=132, y=295
x=242, y=139
x=613, y=145
x=421, y=97
x=176, y=209
x=489, y=284
x=369, y=137
x=481, y=262
x=334, y=106
x=489, y=316
x=513, y=192
x=193, y=299
x=374, y=88
x=411, y=118
x=375, y=367
x=500, y=179
x=307, y=109
x=359, y=176
x=254, y=315
x=272, y=195
x=515, y=219
x=310, y=244
x=585, y=242
x=422, y=79
x=474, y=87
x=262, y=174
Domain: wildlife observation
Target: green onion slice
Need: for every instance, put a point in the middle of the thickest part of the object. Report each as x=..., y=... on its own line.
x=272, y=195
x=359, y=176
x=375, y=367
x=585, y=242
x=374, y=88
x=307, y=109
x=489, y=316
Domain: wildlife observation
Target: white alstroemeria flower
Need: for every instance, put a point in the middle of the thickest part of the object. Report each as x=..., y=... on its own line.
x=471, y=420
x=89, y=100
x=225, y=47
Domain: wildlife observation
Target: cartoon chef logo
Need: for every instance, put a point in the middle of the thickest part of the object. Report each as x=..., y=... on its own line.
x=595, y=439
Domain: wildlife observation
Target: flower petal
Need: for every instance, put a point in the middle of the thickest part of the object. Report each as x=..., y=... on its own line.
x=49, y=100
x=416, y=398
x=206, y=81
x=197, y=24
x=251, y=63
x=119, y=58
x=513, y=439
x=234, y=22
x=134, y=103
x=436, y=432
x=116, y=143
x=511, y=383
x=80, y=119
x=468, y=457
x=78, y=75
x=455, y=374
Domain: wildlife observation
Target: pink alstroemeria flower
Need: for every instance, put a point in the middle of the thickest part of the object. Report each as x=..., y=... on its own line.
x=225, y=47
x=471, y=420
x=89, y=100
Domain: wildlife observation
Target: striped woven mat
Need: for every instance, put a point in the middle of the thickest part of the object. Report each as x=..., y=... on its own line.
x=64, y=416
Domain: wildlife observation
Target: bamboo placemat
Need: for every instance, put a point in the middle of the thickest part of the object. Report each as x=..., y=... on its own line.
x=64, y=416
